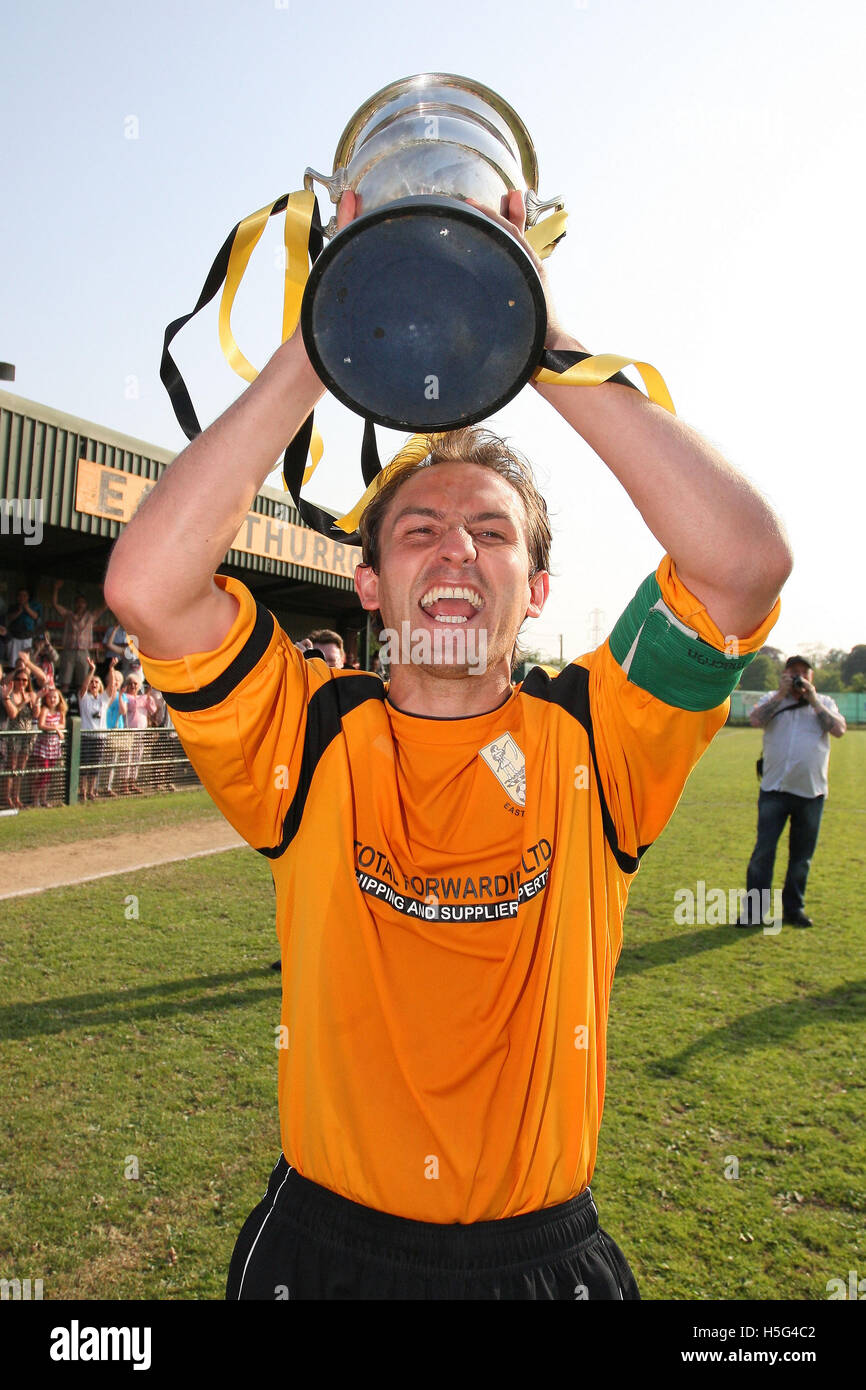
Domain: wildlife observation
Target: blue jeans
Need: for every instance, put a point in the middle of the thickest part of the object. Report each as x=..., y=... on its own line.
x=805, y=812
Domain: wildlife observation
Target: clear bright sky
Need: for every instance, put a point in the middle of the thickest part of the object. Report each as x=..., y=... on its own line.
x=710, y=155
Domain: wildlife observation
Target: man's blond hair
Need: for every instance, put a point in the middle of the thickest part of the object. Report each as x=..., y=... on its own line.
x=472, y=444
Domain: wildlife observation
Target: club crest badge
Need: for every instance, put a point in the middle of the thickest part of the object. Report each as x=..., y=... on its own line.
x=508, y=764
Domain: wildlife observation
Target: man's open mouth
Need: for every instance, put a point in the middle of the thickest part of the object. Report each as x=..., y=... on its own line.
x=451, y=603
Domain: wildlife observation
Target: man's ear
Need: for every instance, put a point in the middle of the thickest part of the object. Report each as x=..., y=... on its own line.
x=539, y=588
x=367, y=587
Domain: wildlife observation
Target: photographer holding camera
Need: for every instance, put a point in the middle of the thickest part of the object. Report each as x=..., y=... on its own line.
x=797, y=724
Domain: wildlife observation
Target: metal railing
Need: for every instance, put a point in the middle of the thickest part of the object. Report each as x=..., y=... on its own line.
x=97, y=764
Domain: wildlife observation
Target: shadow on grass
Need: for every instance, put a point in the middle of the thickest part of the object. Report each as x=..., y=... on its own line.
x=649, y=955
x=46, y=1016
x=775, y=1024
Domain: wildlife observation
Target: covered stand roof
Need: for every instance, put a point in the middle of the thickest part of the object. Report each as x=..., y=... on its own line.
x=88, y=480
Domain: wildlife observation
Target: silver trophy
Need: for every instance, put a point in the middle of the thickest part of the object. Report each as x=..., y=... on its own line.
x=423, y=313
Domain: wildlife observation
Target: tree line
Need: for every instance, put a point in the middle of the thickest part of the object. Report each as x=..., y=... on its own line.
x=834, y=670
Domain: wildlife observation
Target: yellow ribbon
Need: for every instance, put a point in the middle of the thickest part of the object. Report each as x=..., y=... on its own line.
x=247, y=237
x=415, y=450
x=296, y=235
x=544, y=235
x=593, y=371
x=317, y=448
x=299, y=215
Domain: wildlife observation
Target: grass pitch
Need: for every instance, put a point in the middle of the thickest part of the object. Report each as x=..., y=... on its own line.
x=138, y=1014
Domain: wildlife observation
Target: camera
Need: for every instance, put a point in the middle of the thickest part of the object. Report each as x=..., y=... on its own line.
x=797, y=683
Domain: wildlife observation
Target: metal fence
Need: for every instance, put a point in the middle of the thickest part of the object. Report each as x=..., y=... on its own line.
x=98, y=765
x=852, y=707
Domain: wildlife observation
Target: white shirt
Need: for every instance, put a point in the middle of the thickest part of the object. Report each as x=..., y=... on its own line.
x=93, y=710
x=796, y=748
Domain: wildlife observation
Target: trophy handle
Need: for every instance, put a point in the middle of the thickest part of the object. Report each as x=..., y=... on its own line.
x=535, y=207
x=335, y=184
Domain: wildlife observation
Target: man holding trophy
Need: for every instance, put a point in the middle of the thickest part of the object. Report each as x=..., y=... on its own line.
x=451, y=853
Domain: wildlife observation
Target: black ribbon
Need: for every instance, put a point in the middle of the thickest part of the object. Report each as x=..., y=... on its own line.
x=294, y=463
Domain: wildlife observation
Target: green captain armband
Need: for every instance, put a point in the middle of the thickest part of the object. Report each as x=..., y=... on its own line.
x=667, y=659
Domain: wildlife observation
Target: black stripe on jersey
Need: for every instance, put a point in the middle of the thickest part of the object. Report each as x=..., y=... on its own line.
x=325, y=714
x=570, y=690
x=249, y=655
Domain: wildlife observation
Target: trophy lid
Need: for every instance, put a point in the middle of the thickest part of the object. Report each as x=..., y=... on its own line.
x=407, y=91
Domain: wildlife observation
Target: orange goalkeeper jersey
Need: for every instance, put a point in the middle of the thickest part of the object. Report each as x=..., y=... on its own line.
x=450, y=892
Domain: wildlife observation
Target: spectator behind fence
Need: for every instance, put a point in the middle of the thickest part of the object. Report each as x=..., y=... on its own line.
x=161, y=716
x=166, y=741
x=5, y=692
x=22, y=621
x=93, y=704
x=22, y=708
x=139, y=705
x=797, y=724
x=39, y=679
x=116, y=642
x=77, y=639
x=48, y=746
x=117, y=742
x=45, y=657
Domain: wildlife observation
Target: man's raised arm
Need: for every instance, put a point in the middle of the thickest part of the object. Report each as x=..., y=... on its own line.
x=160, y=577
x=729, y=547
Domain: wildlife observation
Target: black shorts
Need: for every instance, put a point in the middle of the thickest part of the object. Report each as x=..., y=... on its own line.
x=303, y=1241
